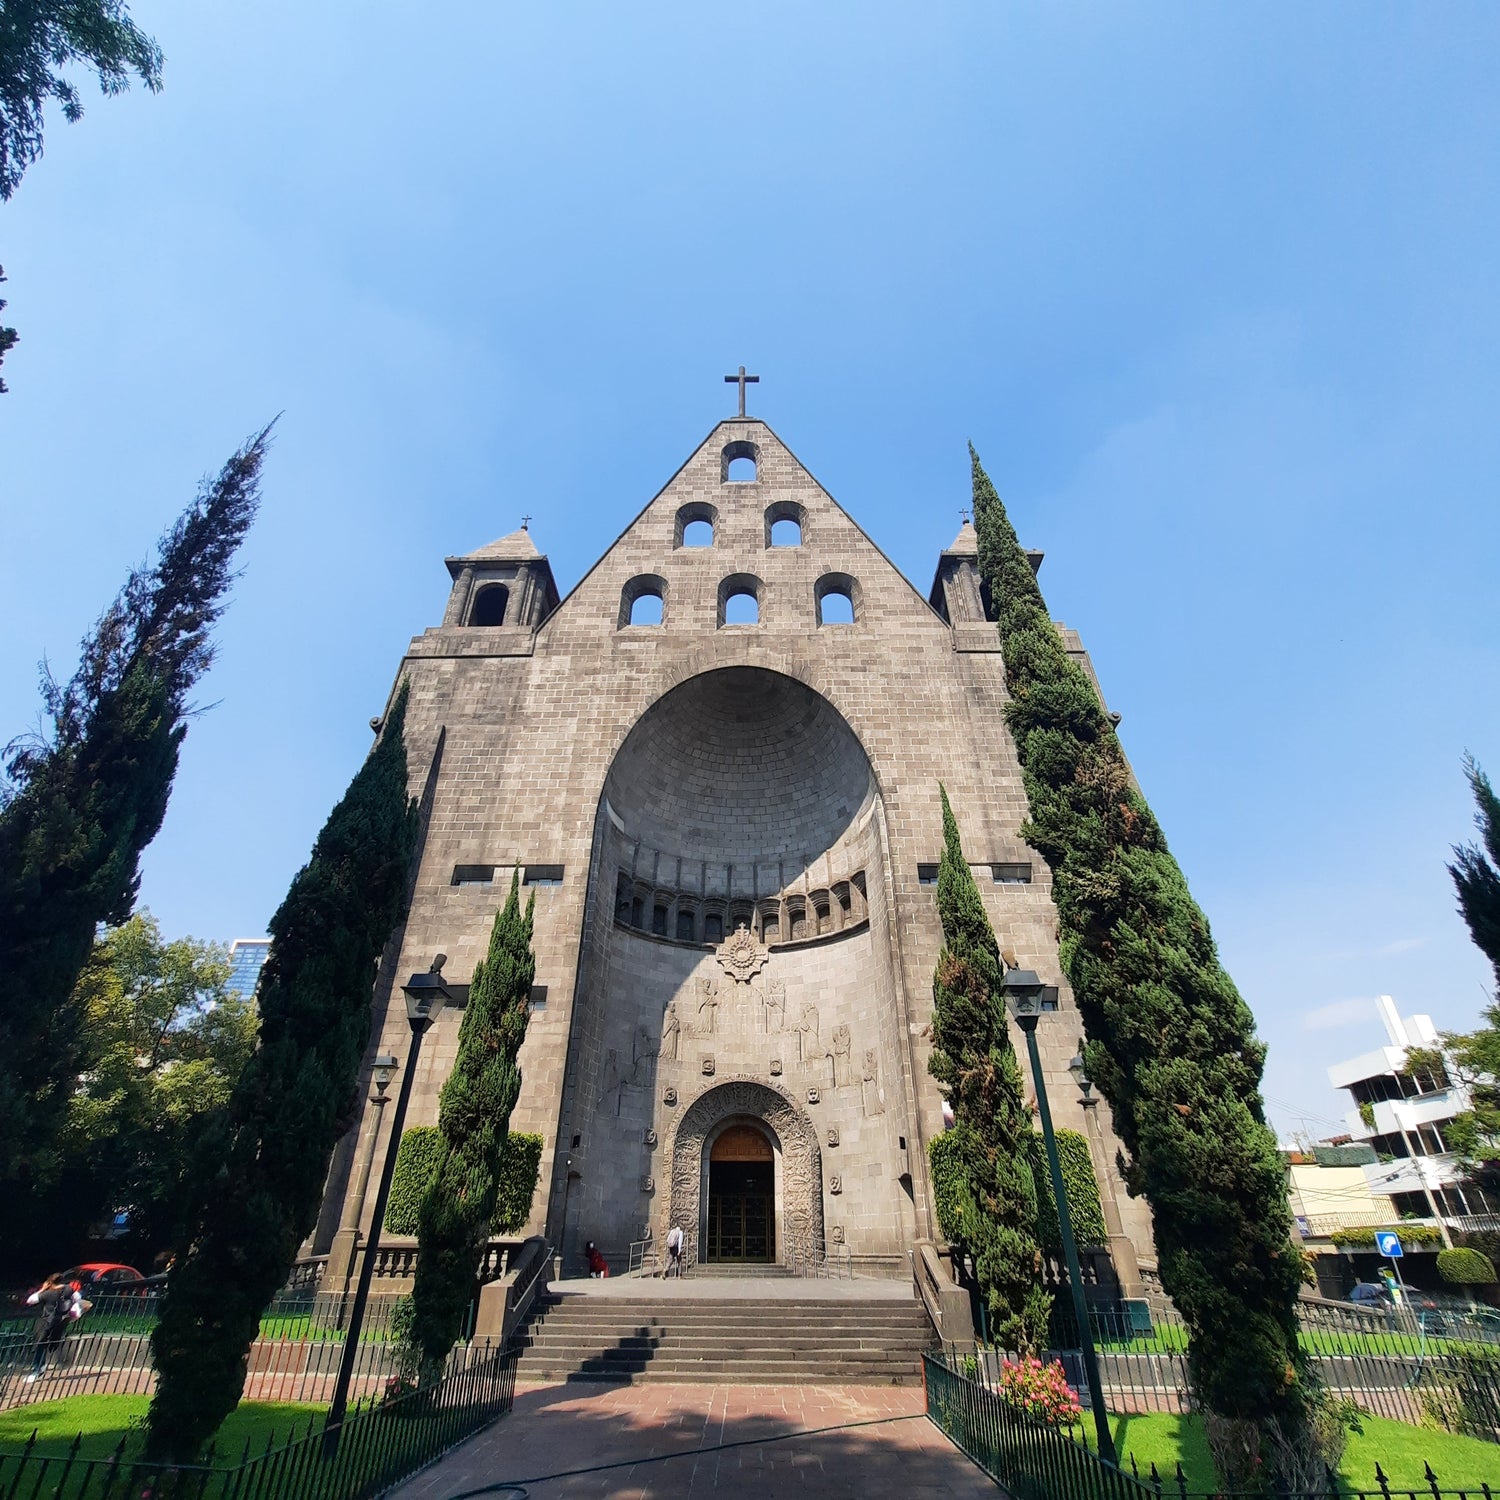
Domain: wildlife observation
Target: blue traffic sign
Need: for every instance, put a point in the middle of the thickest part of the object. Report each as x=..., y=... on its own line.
x=1388, y=1243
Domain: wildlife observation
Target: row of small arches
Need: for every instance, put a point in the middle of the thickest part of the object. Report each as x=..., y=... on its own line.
x=697, y=524
x=774, y=919
x=643, y=601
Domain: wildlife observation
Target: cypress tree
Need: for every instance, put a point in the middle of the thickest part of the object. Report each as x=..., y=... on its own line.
x=474, y=1122
x=82, y=802
x=1476, y=871
x=261, y=1172
x=1171, y=1044
x=988, y=1199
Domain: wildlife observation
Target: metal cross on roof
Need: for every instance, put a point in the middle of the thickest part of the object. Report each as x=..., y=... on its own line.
x=742, y=380
x=964, y=515
x=525, y=523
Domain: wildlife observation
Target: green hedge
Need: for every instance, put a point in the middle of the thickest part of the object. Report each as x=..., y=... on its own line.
x=1411, y=1234
x=417, y=1160
x=1464, y=1267
x=1082, y=1189
x=1078, y=1179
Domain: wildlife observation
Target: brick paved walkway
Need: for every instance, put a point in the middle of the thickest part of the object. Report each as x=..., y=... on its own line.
x=746, y=1442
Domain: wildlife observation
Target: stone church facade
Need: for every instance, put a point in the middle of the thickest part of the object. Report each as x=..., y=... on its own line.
x=732, y=832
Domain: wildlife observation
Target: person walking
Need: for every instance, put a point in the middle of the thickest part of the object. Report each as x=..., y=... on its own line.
x=52, y=1300
x=674, y=1251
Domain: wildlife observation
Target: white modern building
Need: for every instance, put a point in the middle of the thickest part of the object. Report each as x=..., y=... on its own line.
x=1403, y=1112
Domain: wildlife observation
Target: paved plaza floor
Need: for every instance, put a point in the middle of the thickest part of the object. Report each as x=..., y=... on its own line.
x=689, y=1442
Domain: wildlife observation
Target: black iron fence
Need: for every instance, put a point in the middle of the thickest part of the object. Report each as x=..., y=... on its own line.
x=108, y=1351
x=1033, y=1461
x=1404, y=1367
x=385, y=1439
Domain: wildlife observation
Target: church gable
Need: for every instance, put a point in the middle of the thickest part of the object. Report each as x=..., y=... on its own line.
x=742, y=537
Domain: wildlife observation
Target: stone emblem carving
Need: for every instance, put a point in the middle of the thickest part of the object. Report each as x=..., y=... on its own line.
x=707, y=1063
x=837, y=1234
x=648, y=1184
x=741, y=956
x=836, y=1184
x=650, y=1138
x=833, y=1136
x=669, y=1097
x=775, y=1067
x=813, y=1096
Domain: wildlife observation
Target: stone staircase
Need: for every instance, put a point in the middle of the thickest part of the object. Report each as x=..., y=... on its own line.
x=738, y=1341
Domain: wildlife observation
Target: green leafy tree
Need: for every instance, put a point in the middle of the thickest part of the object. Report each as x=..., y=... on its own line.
x=41, y=38
x=986, y=1192
x=81, y=802
x=474, y=1119
x=1472, y=1058
x=416, y=1166
x=161, y=1045
x=260, y=1174
x=1171, y=1043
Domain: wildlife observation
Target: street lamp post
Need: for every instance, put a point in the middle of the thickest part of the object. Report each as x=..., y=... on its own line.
x=1025, y=991
x=384, y=1068
x=425, y=994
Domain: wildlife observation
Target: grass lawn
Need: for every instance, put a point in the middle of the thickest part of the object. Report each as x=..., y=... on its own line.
x=1458, y=1462
x=104, y=1420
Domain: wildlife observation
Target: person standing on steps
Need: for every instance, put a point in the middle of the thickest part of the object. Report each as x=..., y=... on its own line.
x=674, y=1251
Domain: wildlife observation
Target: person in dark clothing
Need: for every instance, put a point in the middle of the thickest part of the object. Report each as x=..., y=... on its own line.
x=52, y=1301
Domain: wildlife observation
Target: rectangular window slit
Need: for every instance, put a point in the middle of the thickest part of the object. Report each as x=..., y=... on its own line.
x=474, y=875
x=1012, y=874
x=543, y=875
x=927, y=874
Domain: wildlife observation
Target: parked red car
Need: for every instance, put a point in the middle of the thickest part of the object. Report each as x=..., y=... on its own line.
x=105, y=1276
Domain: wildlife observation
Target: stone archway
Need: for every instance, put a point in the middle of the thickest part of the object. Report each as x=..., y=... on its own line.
x=800, y=1232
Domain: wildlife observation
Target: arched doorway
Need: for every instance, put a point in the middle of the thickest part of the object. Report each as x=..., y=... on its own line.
x=796, y=1232
x=741, y=1195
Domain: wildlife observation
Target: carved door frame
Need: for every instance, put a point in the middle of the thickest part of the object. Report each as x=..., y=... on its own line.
x=799, y=1230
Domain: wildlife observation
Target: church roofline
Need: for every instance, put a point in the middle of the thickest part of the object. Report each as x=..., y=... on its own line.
x=742, y=422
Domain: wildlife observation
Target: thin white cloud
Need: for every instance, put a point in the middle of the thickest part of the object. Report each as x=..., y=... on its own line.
x=1401, y=945
x=1339, y=1013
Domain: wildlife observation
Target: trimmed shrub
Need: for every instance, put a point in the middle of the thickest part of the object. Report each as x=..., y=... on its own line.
x=1411, y=1234
x=417, y=1163
x=1082, y=1188
x=1463, y=1267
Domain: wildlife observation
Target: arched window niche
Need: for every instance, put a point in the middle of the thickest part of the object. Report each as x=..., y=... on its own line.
x=490, y=603
x=740, y=600
x=786, y=524
x=836, y=597
x=739, y=463
x=643, y=601
x=697, y=525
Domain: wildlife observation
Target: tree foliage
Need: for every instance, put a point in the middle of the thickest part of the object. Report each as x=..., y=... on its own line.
x=1085, y=1208
x=83, y=800
x=161, y=1045
x=416, y=1167
x=1462, y=1266
x=9, y=338
x=1473, y=1057
x=39, y=39
x=260, y=1174
x=990, y=1205
x=1171, y=1043
x=474, y=1110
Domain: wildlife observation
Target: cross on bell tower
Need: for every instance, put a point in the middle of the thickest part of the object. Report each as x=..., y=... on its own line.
x=742, y=380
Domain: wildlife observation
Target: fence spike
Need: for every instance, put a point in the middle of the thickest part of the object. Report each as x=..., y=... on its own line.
x=1135, y=1473
x=1382, y=1481
x=1431, y=1478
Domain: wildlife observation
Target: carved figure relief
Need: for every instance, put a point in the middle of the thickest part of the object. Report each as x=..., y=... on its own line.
x=833, y=1136
x=644, y=1054
x=611, y=1090
x=648, y=1184
x=708, y=1007
x=775, y=1067
x=813, y=1096
x=837, y=1236
x=838, y=1057
x=741, y=956
x=669, y=1097
x=773, y=1005
x=873, y=1094
x=801, y=1208
x=650, y=1138
x=706, y=1062
x=671, y=1028
x=807, y=1034
x=836, y=1183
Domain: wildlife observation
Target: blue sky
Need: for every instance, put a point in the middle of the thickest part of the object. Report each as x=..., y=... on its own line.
x=1212, y=289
